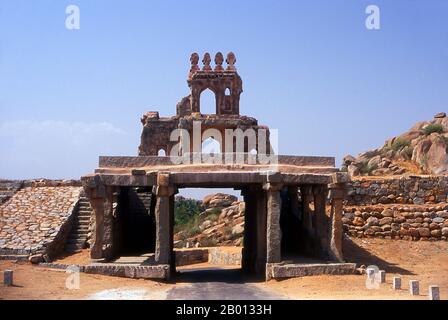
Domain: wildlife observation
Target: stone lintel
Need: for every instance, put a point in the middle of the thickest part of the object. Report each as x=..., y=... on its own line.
x=341, y=177
x=110, y=162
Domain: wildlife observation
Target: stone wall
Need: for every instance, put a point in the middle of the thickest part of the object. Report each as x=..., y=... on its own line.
x=191, y=256
x=36, y=220
x=403, y=190
x=225, y=256
x=8, y=188
x=406, y=222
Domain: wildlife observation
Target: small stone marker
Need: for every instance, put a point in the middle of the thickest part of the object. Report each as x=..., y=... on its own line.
x=382, y=276
x=8, y=278
x=414, y=288
x=370, y=273
x=434, y=293
x=396, y=284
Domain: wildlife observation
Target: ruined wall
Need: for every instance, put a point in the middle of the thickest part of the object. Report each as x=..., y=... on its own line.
x=37, y=220
x=422, y=222
x=404, y=190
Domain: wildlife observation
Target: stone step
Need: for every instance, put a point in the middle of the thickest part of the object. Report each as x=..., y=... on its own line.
x=80, y=227
x=76, y=241
x=84, y=215
x=77, y=235
x=77, y=232
x=71, y=248
x=82, y=219
x=18, y=257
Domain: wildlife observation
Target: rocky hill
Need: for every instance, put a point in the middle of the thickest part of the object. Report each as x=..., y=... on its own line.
x=220, y=222
x=423, y=149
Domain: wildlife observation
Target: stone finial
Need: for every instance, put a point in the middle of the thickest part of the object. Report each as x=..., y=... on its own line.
x=206, y=61
x=231, y=60
x=219, y=59
x=194, y=60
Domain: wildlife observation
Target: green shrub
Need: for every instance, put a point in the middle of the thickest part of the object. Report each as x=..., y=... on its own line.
x=399, y=144
x=186, y=213
x=366, y=169
x=431, y=128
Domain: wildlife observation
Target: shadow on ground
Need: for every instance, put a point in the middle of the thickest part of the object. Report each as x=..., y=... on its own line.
x=218, y=284
x=356, y=254
x=212, y=274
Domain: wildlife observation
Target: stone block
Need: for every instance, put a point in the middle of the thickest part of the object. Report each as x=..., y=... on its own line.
x=414, y=287
x=434, y=293
x=8, y=278
x=396, y=283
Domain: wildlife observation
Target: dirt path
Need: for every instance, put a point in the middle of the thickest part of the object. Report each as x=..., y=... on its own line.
x=423, y=261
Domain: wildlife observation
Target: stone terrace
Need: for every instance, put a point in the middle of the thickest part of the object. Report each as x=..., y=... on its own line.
x=34, y=217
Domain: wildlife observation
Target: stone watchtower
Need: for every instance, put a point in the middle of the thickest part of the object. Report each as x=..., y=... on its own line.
x=227, y=87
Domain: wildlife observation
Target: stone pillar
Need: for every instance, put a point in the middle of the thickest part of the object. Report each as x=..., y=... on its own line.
x=309, y=237
x=102, y=199
x=250, y=229
x=273, y=205
x=97, y=197
x=293, y=195
x=261, y=233
x=163, y=214
x=321, y=226
x=337, y=192
x=110, y=202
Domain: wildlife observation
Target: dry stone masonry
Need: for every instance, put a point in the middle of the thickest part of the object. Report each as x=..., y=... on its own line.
x=36, y=219
x=397, y=222
x=403, y=190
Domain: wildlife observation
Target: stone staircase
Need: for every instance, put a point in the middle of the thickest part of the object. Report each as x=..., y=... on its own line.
x=78, y=235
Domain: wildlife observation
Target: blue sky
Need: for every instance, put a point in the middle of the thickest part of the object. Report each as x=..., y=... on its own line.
x=310, y=69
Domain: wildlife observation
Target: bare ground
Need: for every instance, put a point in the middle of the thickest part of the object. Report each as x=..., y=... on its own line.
x=424, y=261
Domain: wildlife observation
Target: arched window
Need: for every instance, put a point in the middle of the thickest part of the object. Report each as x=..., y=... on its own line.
x=227, y=92
x=211, y=146
x=207, y=102
x=161, y=153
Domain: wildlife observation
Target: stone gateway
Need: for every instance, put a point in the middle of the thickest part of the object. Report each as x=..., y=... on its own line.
x=293, y=215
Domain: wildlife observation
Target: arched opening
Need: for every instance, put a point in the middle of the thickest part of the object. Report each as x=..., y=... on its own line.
x=161, y=153
x=211, y=146
x=208, y=102
x=227, y=92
